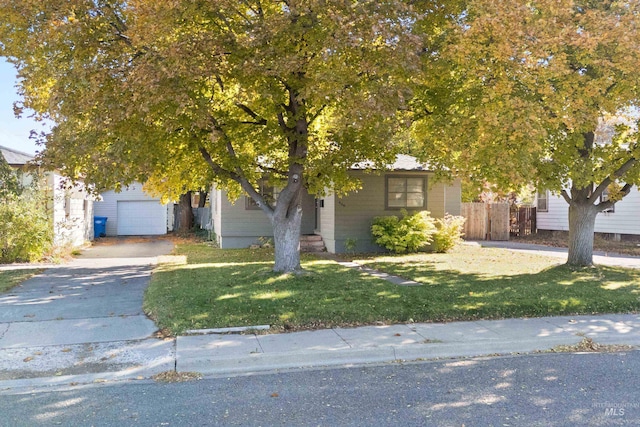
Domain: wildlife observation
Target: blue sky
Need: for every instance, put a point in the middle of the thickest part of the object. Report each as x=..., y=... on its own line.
x=14, y=133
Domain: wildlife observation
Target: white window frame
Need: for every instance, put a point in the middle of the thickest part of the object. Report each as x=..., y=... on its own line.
x=545, y=197
x=605, y=197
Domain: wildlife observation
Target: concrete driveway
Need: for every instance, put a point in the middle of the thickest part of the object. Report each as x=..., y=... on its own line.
x=84, y=316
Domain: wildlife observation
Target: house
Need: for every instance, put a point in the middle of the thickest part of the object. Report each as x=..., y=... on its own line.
x=552, y=214
x=133, y=212
x=339, y=220
x=71, y=207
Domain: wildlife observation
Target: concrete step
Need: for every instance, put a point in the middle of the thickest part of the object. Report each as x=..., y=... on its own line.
x=311, y=238
x=312, y=243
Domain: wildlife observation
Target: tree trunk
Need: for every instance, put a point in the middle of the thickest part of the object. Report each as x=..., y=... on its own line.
x=286, y=240
x=185, y=213
x=202, y=200
x=582, y=222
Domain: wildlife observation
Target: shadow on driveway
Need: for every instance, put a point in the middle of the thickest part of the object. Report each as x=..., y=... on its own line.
x=49, y=321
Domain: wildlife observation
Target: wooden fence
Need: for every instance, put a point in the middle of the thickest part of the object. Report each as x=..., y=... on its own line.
x=486, y=221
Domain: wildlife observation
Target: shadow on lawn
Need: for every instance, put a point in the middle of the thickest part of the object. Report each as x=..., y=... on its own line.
x=555, y=290
x=228, y=292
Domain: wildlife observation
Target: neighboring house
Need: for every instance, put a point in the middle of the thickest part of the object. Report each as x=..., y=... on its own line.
x=406, y=184
x=132, y=212
x=71, y=207
x=622, y=219
x=552, y=213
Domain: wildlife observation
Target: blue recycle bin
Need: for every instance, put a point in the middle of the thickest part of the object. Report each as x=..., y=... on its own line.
x=99, y=226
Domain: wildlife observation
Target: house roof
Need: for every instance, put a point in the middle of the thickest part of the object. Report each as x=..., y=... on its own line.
x=14, y=157
x=403, y=162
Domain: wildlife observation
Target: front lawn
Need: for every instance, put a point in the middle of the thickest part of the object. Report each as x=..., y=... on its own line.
x=220, y=288
x=11, y=278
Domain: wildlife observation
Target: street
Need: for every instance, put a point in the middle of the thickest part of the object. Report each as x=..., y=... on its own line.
x=564, y=389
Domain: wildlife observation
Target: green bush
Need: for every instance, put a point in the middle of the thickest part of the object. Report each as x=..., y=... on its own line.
x=448, y=234
x=406, y=234
x=26, y=232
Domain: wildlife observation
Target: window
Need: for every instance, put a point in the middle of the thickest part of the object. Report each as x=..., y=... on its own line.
x=405, y=192
x=269, y=193
x=543, y=201
x=604, y=197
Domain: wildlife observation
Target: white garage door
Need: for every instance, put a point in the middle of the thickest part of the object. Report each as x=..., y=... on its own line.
x=141, y=218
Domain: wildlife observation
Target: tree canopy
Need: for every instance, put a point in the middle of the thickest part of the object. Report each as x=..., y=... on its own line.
x=530, y=90
x=183, y=93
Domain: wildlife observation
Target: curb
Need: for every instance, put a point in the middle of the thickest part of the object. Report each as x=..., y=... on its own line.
x=265, y=362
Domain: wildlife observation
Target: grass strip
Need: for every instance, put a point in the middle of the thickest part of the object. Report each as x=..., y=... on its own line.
x=12, y=278
x=214, y=288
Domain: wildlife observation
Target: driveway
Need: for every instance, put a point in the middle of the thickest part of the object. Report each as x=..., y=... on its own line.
x=84, y=316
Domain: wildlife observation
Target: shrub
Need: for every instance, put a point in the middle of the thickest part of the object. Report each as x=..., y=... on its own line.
x=406, y=234
x=26, y=232
x=448, y=234
x=350, y=244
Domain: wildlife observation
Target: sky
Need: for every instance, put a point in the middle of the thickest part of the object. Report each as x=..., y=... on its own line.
x=14, y=133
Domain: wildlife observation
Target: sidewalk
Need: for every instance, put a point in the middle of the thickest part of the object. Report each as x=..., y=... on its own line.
x=240, y=354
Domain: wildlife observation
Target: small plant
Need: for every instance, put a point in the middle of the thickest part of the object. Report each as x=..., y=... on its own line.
x=350, y=244
x=449, y=232
x=406, y=234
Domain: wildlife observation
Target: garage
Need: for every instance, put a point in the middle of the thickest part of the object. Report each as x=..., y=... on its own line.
x=141, y=218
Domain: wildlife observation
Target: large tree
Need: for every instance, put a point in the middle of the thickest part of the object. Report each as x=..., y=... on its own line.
x=184, y=92
x=534, y=89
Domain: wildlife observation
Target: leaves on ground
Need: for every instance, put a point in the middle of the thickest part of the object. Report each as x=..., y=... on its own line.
x=176, y=377
x=589, y=345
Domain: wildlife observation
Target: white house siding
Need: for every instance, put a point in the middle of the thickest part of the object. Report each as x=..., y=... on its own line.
x=108, y=206
x=216, y=213
x=72, y=212
x=625, y=219
x=327, y=221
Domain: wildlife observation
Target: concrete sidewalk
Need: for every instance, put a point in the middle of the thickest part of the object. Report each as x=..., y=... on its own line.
x=237, y=354
x=224, y=355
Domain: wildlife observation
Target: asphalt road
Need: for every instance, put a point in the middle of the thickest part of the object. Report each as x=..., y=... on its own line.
x=531, y=390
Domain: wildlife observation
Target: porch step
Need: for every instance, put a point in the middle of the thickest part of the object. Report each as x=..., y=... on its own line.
x=312, y=243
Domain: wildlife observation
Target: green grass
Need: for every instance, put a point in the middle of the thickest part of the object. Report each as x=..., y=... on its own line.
x=11, y=278
x=219, y=288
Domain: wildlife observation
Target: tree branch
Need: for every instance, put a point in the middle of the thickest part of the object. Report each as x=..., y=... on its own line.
x=618, y=173
x=315, y=116
x=258, y=120
x=272, y=170
x=244, y=183
x=217, y=169
x=603, y=206
x=566, y=196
